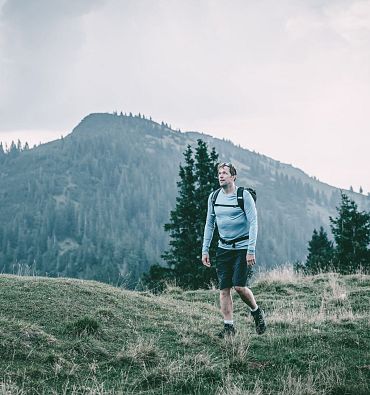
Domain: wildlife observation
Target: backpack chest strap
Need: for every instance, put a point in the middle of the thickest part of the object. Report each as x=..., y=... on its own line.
x=239, y=197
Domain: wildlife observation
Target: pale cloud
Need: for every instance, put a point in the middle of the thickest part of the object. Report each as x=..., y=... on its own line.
x=40, y=42
x=289, y=79
x=352, y=22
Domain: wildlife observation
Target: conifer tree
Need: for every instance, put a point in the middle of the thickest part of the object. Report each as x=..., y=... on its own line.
x=181, y=225
x=13, y=151
x=198, y=178
x=181, y=231
x=320, y=253
x=2, y=152
x=206, y=182
x=351, y=231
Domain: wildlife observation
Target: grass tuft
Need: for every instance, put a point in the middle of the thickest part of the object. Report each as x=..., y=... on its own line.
x=172, y=289
x=83, y=326
x=144, y=352
x=235, y=386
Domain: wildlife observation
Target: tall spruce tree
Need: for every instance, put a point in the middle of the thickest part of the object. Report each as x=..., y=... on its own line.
x=206, y=181
x=320, y=253
x=198, y=178
x=351, y=231
x=182, y=253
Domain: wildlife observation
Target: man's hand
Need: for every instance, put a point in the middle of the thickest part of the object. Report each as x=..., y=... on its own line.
x=251, y=259
x=205, y=260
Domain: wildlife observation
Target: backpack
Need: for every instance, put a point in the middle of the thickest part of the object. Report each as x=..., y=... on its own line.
x=239, y=197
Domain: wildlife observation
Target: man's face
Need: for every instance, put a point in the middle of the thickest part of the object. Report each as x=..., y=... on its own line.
x=224, y=176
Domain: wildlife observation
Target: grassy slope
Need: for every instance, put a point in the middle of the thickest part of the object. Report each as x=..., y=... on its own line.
x=71, y=336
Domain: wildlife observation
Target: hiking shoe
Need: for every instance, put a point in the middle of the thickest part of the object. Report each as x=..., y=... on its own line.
x=228, y=330
x=259, y=319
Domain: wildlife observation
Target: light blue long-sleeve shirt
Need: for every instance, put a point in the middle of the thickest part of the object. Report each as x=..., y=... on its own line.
x=232, y=222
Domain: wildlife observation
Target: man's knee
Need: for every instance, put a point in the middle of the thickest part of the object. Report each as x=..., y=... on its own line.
x=239, y=289
x=225, y=291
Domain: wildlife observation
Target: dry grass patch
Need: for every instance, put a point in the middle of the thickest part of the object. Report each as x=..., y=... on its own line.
x=281, y=274
x=294, y=312
x=335, y=305
x=291, y=312
x=188, y=374
x=232, y=386
x=7, y=387
x=90, y=387
x=320, y=382
x=144, y=352
x=236, y=348
x=172, y=289
x=293, y=384
x=337, y=287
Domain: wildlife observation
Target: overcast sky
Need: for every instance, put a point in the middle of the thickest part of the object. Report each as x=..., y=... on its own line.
x=288, y=79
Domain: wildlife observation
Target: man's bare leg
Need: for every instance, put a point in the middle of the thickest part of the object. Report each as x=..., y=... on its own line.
x=247, y=297
x=226, y=303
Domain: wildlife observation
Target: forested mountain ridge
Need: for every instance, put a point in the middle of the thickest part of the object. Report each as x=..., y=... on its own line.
x=93, y=204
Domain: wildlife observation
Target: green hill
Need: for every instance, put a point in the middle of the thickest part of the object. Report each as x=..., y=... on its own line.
x=93, y=204
x=74, y=336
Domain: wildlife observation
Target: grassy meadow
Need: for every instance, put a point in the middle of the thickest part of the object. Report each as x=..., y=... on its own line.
x=67, y=336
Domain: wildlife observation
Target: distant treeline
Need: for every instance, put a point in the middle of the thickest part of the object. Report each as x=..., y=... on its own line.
x=13, y=149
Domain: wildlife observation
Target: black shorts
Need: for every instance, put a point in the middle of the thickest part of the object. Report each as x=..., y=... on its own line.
x=232, y=268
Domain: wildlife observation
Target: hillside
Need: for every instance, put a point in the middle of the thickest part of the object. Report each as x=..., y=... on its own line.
x=93, y=204
x=72, y=336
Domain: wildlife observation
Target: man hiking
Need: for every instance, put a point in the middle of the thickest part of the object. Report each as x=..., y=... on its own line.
x=237, y=227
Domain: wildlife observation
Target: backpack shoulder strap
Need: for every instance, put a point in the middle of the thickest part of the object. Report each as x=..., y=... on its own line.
x=253, y=193
x=240, y=197
x=214, y=197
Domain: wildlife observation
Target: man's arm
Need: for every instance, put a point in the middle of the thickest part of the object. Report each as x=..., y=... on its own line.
x=208, y=232
x=251, y=214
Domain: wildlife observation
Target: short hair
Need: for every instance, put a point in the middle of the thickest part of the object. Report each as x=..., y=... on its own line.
x=229, y=165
